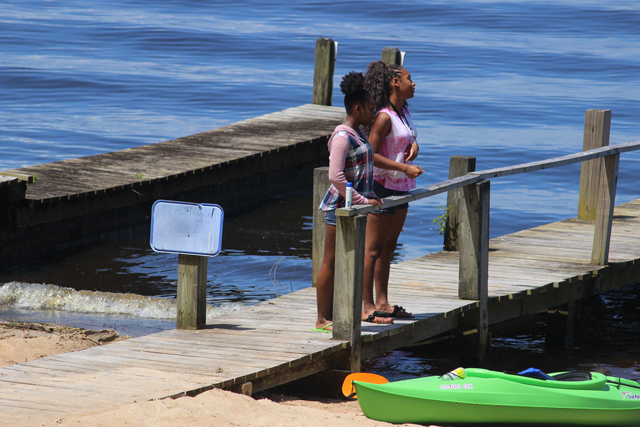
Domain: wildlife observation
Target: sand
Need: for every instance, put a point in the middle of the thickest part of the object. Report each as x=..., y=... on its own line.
x=21, y=342
x=223, y=408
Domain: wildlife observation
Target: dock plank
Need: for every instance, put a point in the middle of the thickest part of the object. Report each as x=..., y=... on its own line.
x=252, y=137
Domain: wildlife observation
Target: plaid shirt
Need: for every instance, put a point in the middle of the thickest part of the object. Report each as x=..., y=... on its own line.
x=358, y=170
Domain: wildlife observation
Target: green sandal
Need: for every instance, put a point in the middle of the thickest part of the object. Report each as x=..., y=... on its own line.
x=323, y=329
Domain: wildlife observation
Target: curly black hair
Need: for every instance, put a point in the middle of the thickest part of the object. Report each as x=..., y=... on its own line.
x=352, y=86
x=377, y=81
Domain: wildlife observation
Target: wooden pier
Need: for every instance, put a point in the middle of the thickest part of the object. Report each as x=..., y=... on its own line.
x=58, y=205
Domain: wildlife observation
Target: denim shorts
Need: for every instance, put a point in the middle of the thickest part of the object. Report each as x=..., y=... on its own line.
x=383, y=192
x=330, y=217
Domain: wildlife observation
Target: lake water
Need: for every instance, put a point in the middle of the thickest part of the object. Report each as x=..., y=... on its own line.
x=507, y=82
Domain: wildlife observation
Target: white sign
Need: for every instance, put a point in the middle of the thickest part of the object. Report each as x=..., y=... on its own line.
x=186, y=228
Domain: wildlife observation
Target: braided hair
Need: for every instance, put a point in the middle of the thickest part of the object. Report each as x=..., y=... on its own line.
x=352, y=86
x=377, y=81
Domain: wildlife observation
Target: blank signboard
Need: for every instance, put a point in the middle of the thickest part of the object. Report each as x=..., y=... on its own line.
x=186, y=228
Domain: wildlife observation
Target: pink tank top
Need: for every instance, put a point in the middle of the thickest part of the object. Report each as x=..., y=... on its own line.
x=401, y=136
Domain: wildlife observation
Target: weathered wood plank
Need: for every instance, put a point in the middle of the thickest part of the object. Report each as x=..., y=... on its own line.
x=251, y=137
x=324, y=66
x=559, y=161
x=349, y=275
x=192, y=291
x=474, y=241
x=458, y=166
x=5, y=181
x=597, y=127
x=604, y=216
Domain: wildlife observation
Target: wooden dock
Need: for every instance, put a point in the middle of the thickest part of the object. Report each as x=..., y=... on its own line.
x=272, y=343
x=57, y=205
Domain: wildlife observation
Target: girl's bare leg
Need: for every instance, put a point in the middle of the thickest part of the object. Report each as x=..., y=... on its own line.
x=378, y=228
x=324, y=281
x=383, y=265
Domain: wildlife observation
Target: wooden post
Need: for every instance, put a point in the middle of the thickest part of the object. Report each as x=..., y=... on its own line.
x=347, y=291
x=458, y=166
x=325, y=64
x=561, y=325
x=597, y=125
x=474, y=259
x=606, y=203
x=192, y=291
x=474, y=241
x=391, y=55
x=321, y=184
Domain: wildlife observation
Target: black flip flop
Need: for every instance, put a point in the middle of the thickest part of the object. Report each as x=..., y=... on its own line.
x=372, y=317
x=382, y=313
x=398, y=309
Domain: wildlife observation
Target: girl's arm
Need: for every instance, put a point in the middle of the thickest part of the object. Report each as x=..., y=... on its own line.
x=412, y=152
x=337, y=159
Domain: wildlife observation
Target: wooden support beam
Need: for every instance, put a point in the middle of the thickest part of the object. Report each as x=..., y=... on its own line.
x=321, y=184
x=458, y=166
x=192, y=292
x=246, y=388
x=606, y=203
x=597, y=126
x=474, y=260
x=561, y=325
x=347, y=292
x=325, y=64
x=392, y=55
x=474, y=241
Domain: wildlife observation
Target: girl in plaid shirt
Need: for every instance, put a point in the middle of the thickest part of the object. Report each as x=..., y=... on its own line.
x=350, y=160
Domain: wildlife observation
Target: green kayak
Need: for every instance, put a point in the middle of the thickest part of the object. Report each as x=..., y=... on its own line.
x=484, y=396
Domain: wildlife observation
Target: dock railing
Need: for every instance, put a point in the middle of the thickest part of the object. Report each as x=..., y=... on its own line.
x=598, y=185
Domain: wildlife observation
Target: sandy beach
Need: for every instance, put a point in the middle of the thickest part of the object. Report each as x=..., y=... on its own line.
x=21, y=342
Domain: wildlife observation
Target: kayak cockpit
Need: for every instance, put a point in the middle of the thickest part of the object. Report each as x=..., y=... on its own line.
x=563, y=380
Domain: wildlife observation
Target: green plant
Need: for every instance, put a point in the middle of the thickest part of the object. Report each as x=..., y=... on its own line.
x=441, y=220
x=139, y=175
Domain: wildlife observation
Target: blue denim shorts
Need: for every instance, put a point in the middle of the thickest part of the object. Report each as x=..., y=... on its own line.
x=330, y=217
x=383, y=192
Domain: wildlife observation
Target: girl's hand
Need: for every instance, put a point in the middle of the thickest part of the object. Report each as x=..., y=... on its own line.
x=413, y=171
x=374, y=202
x=411, y=153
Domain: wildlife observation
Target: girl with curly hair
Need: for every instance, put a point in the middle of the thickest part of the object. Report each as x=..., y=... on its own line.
x=393, y=138
x=350, y=160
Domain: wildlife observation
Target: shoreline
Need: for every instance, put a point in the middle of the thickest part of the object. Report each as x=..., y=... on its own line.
x=25, y=341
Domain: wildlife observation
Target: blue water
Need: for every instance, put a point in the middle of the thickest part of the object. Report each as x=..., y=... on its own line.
x=507, y=82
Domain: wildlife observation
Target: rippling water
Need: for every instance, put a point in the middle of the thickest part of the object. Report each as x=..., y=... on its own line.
x=507, y=82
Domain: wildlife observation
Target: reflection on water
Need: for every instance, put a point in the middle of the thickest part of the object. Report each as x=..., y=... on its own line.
x=263, y=249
